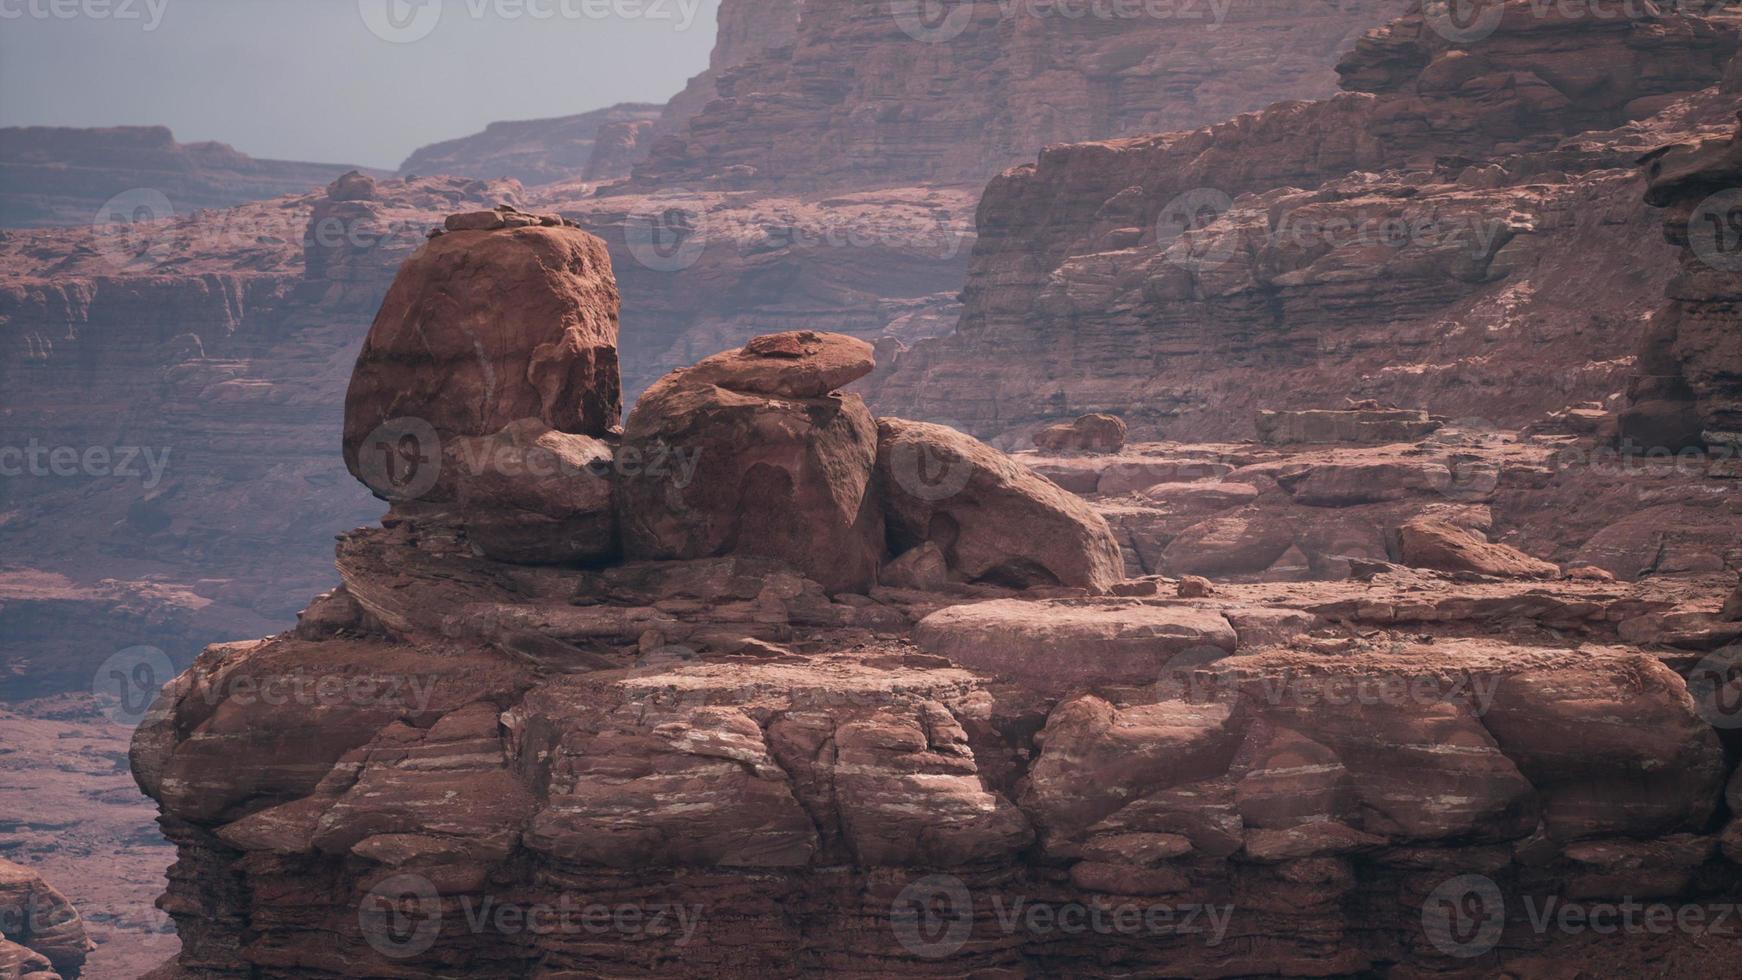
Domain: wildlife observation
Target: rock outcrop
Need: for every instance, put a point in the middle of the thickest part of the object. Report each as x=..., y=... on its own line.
x=1687, y=393
x=723, y=762
x=755, y=452
x=41, y=934
x=851, y=97
x=1467, y=205
x=60, y=176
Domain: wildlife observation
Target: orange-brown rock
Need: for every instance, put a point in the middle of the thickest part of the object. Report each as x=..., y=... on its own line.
x=1088, y=434
x=1443, y=546
x=484, y=328
x=37, y=919
x=751, y=452
x=994, y=520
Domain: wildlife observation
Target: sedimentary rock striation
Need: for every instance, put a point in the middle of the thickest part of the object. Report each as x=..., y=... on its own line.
x=893, y=94
x=41, y=935
x=719, y=754
x=1470, y=209
x=598, y=146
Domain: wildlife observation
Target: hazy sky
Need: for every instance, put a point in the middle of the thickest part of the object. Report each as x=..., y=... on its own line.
x=312, y=80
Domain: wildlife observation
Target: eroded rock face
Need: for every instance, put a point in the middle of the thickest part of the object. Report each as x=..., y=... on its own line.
x=1686, y=393
x=994, y=520
x=532, y=494
x=485, y=328
x=1443, y=546
x=1453, y=183
x=41, y=934
x=755, y=453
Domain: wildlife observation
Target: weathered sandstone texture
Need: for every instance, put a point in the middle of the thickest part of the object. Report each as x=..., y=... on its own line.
x=41, y=934
x=1688, y=392
x=885, y=94
x=58, y=176
x=718, y=764
x=1462, y=231
x=506, y=317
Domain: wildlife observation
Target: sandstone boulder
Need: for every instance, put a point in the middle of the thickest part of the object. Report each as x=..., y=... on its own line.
x=481, y=329
x=532, y=494
x=354, y=186
x=1428, y=542
x=1096, y=433
x=995, y=520
x=40, y=919
x=740, y=464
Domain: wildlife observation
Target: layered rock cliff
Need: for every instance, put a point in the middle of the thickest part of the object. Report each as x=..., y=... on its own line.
x=59, y=176
x=894, y=94
x=599, y=145
x=957, y=740
x=1451, y=234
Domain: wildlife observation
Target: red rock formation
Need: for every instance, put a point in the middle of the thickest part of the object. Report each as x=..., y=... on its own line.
x=483, y=328
x=1687, y=393
x=749, y=771
x=37, y=919
x=59, y=176
x=877, y=95
x=1448, y=217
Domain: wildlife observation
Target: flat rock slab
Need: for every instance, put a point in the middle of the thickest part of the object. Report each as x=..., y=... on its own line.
x=1061, y=645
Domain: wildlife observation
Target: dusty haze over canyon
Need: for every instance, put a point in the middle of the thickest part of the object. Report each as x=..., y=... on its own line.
x=995, y=488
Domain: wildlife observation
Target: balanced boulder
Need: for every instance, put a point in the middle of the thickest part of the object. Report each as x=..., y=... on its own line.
x=995, y=520
x=481, y=329
x=750, y=453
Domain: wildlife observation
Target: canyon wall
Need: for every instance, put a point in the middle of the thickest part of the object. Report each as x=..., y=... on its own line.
x=598, y=145
x=59, y=176
x=1452, y=234
x=879, y=94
